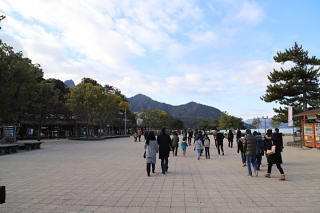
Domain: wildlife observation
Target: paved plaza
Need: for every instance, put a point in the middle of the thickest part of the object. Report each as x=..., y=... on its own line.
x=110, y=176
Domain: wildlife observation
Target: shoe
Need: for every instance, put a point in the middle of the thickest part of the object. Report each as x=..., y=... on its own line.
x=149, y=174
x=198, y=158
x=222, y=153
x=282, y=177
x=153, y=171
x=256, y=173
x=163, y=172
x=267, y=175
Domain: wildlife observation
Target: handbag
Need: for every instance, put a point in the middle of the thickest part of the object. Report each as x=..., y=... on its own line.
x=144, y=154
x=272, y=150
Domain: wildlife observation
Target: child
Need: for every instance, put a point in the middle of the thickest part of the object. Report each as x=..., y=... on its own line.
x=198, y=147
x=184, y=146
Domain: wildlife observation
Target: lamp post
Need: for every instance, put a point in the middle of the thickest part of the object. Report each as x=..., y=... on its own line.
x=125, y=121
x=265, y=123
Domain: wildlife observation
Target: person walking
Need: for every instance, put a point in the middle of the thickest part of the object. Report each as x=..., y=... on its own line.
x=184, y=146
x=250, y=145
x=190, y=134
x=139, y=134
x=198, y=147
x=175, y=143
x=207, y=146
x=276, y=158
x=242, y=153
x=230, y=138
x=152, y=149
x=220, y=138
x=259, y=149
x=238, y=139
x=164, y=142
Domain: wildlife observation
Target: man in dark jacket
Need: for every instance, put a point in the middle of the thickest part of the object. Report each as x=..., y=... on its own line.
x=220, y=138
x=249, y=146
x=164, y=142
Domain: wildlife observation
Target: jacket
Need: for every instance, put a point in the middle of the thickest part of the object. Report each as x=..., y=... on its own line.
x=164, y=142
x=175, y=141
x=260, y=145
x=151, y=151
x=250, y=145
x=220, y=137
x=276, y=158
x=198, y=144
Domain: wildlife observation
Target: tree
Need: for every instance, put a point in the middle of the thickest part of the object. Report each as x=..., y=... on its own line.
x=230, y=122
x=256, y=123
x=91, y=81
x=214, y=124
x=204, y=124
x=154, y=118
x=175, y=123
x=275, y=123
x=298, y=86
x=18, y=78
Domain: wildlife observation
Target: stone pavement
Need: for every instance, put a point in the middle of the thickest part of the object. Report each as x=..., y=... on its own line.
x=110, y=176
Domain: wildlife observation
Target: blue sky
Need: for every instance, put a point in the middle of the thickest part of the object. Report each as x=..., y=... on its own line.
x=216, y=52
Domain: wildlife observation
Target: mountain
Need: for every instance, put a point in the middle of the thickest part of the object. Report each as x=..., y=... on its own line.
x=266, y=123
x=191, y=113
x=69, y=83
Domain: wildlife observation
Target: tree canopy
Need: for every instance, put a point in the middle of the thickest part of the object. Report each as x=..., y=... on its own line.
x=297, y=86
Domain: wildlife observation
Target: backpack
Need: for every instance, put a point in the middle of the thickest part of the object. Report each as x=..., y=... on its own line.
x=206, y=143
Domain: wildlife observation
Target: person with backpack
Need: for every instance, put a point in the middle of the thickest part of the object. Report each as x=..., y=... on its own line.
x=260, y=148
x=230, y=138
x=207, y=146
x=220, y=138
x=198, y=146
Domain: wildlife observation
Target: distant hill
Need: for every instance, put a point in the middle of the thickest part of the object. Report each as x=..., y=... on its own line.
x=191, y=113
x=69, y=83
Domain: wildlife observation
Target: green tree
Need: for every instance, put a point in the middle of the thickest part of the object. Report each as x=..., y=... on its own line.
x=18, y=78
x=214, y=124
x=204, y=124
x=256, y=123
x=154, y=118
x=227, y=121
x=298, y=86
x=175, y=123
x=275, y=123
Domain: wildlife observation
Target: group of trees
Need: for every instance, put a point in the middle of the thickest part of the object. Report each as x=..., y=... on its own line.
x=297, y=86
x=158, y=119
x=26, y=96
x=226, y=121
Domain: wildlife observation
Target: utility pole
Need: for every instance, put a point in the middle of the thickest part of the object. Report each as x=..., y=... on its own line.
x=125, y=121
x=265, y=123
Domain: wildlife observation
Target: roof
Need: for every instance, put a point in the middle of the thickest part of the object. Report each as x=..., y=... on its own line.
x=309, y=112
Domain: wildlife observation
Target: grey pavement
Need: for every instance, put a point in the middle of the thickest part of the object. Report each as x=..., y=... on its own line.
x=110, y=176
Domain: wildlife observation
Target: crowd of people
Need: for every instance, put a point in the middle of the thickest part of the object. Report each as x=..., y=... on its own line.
x=251, y=147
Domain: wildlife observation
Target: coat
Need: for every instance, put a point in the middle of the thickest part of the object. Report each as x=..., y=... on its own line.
x=260, y=145
x=276, y=158
x=151, y=151
x=198, y=145
x=164, y=142
x=220, y=137
x=250, y=145
x=175, y=141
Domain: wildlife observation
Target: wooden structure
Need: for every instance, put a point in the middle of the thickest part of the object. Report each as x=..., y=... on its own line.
x=310, y=126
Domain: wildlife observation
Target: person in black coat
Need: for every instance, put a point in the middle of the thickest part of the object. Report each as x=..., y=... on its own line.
x=220, y=138
x=238, y=139
x=276, y=158
x=230, y=138
x=164, y=142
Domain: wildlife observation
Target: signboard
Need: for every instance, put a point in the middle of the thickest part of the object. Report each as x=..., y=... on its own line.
x=290, y=121
x=308, y=133
x=317, y=134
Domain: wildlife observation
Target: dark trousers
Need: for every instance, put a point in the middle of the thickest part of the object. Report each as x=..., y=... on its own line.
x=164, y=164
x=189, y=141
x=259, y=159
x=207, y=149
x=230, y=143
x=139, y=138
x=175, y=150
x=278, y=166
x=148, y=167
x=220, y=145
x=238, y=147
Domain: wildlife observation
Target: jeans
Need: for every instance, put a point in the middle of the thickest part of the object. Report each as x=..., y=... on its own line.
x=207, y=150
x=278, y=166
x=164, y=164
x=243, y=157
x=148, y=167
x=198, y=153
x=251, y=160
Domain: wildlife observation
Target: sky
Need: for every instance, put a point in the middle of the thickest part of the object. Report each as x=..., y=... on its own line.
x=214, y=52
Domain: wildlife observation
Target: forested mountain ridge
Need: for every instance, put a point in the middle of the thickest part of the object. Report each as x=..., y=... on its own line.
x=191, y=113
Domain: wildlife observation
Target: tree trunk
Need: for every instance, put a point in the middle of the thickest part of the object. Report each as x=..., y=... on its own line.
x=305, y=106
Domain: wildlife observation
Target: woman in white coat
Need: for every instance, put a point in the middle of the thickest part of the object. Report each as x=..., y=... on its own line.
x=152, y=148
